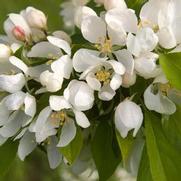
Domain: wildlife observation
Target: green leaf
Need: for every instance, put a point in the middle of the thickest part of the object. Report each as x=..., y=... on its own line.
x=164, y=158
x=103, y=152
x=171, y=65
x=72, y=151
x=126, y=145
x=7, y=156
x=172, y=129
x=144, y=173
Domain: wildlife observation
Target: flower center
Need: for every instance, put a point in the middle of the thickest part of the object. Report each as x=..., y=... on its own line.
x=105, y=46
x=144, y=23
x=58, y=118
x=104, y=76
x=164, y=88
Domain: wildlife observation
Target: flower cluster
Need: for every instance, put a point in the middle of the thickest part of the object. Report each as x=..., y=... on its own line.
x=52, y=88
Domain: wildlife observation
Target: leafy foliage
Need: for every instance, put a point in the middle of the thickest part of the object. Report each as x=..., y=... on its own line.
x=7, y=156
x=103, y=152
x=171, y=64
x=163, y=156
x=125, y=145
x=144, y=173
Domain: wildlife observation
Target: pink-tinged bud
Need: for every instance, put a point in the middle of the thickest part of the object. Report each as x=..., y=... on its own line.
x=19, y=33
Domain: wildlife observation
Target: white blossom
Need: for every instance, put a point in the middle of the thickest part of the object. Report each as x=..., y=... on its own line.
x=128, y=116
x=101, y=75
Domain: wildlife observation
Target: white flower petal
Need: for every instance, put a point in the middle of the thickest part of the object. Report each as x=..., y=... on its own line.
x=42, y=118
x=150, y=10
x=81, y=119
x=106, y=93
x=145, y=65
x=176, y=29
x=52, y=81
x=133, y=45
x=19, y=64
x=44, y=126
x=13, y=124
x=62, y=35
x=62, y=44
x=85, y=58
x=12, y=83
x=157, y=102
x=80, y=95
x=81, y=13
x=30, y=105
x=68, y=133
x=63, y=66
x=129, y=79
x=93, y=29
x=58, y=103
x=5, y=51
x=93, y=82
x=26, y=145
x=116, y=81
x=4, y=112
x=122, y=19
x=15, y=101
x=128, y=116
x=118, y=67
x=44, y=49
x=167, y=38
x=117, y=36
x=18, y=20
x=126, y=58
x=144, y=41
x=54, y=156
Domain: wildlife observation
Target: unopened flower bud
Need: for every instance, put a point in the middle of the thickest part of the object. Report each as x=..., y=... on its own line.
x=17, y=28
x=35, y=18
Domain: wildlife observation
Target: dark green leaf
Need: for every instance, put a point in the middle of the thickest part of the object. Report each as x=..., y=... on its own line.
x=7, y=155
x=144, y=173
x=72, y=151
x=164, y=158
x=105, y=157
x=171, y=65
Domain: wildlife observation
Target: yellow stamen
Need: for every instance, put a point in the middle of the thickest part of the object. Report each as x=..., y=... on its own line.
x=103, y=76
x=58, y=118
x=145, y=23
x=164, y=88
x=105, y=46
